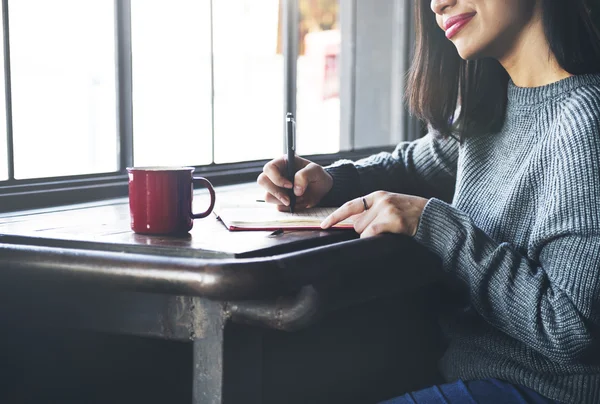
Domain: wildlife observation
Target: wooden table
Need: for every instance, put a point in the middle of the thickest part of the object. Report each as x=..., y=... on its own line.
x=87, y=270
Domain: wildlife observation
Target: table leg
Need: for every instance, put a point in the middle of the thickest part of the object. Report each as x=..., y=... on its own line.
x=227, y=357
x=207, y=330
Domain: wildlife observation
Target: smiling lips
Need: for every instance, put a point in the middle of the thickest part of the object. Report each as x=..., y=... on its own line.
x=454, y=24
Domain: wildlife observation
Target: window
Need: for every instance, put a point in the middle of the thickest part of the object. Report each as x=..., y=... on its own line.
x=171, y=81
x=248, y=73
x=63, y=87
x=318, y=96
x=95, y=86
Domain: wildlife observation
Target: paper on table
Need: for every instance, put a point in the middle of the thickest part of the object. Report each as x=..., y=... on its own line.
x=264, y=216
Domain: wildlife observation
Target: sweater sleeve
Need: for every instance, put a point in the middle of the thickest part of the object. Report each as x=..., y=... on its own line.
x=424, y=167
x=550, y=302
x=551, y=305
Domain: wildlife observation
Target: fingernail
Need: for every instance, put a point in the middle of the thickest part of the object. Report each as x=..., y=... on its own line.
x=298, y=190
x=288, y=185
x=285, y=201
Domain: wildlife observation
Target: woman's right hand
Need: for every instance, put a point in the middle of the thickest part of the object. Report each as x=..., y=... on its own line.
x=311, y=183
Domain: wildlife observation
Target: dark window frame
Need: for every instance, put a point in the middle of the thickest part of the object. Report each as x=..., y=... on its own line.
x=45, y=192
x=56, y=191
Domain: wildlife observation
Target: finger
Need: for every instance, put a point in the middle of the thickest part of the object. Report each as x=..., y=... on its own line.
x=270, y=198
x=305, y=176
x=368, y=201
x=275, y=170
x=375, y=227
x=300, y=204
x=364, y=219
x=300, y=201
x=307, y=201
x=278, y=192
x=348, y=209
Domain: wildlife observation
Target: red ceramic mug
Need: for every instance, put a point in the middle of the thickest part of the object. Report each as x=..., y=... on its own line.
x=160, y=199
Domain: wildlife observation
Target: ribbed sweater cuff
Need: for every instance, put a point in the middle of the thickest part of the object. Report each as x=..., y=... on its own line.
x=440, y=227
x=346, y=184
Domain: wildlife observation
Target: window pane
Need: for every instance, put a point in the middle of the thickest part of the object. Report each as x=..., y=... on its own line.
x=3, y=139
x=248, y=80
x=172, y=113
x=63, y=87
x=318, y=82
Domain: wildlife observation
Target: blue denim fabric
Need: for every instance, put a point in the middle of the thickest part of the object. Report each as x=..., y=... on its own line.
x=488, y=391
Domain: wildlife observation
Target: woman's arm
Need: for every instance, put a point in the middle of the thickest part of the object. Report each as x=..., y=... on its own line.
x=551, y=305
x=550, y=299
x=424, y=167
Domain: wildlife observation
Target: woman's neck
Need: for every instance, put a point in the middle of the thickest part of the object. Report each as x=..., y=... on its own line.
x=530, y=62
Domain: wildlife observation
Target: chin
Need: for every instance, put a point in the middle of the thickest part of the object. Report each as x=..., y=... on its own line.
x=469, y=52
x=465, y=55
x=469, y=56
x=470, y=48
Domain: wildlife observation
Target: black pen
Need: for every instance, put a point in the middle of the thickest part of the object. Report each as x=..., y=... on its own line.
x=290, y=135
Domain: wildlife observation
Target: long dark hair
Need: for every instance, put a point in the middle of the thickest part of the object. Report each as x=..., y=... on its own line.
x=439, y=80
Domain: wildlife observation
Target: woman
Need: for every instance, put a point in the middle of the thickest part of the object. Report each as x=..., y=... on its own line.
x=510, y=90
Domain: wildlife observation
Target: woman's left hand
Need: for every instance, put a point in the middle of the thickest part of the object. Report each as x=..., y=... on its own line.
x=385, y=212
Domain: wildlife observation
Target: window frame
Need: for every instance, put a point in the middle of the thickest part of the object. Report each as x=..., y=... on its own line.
x=47, y=192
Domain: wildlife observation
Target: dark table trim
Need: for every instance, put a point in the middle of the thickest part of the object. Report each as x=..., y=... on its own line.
x=222, y=279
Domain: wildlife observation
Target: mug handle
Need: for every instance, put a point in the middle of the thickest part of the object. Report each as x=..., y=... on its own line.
x=212, y=198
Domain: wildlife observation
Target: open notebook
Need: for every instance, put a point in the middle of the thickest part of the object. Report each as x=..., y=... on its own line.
x=264, y=216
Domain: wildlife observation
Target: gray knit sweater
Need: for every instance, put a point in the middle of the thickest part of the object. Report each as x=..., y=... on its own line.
x=522, y=232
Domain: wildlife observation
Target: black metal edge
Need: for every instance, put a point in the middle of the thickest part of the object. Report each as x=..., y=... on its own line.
x=220, y=279
x=182, y=276
x=287, y=314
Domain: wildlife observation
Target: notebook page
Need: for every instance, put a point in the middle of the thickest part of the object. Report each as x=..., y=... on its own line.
x=261, y=213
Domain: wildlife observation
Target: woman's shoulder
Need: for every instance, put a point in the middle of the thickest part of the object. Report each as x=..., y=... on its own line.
x=572, y=167
x=582, y=104
x=578, y=115
x=574, y=119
